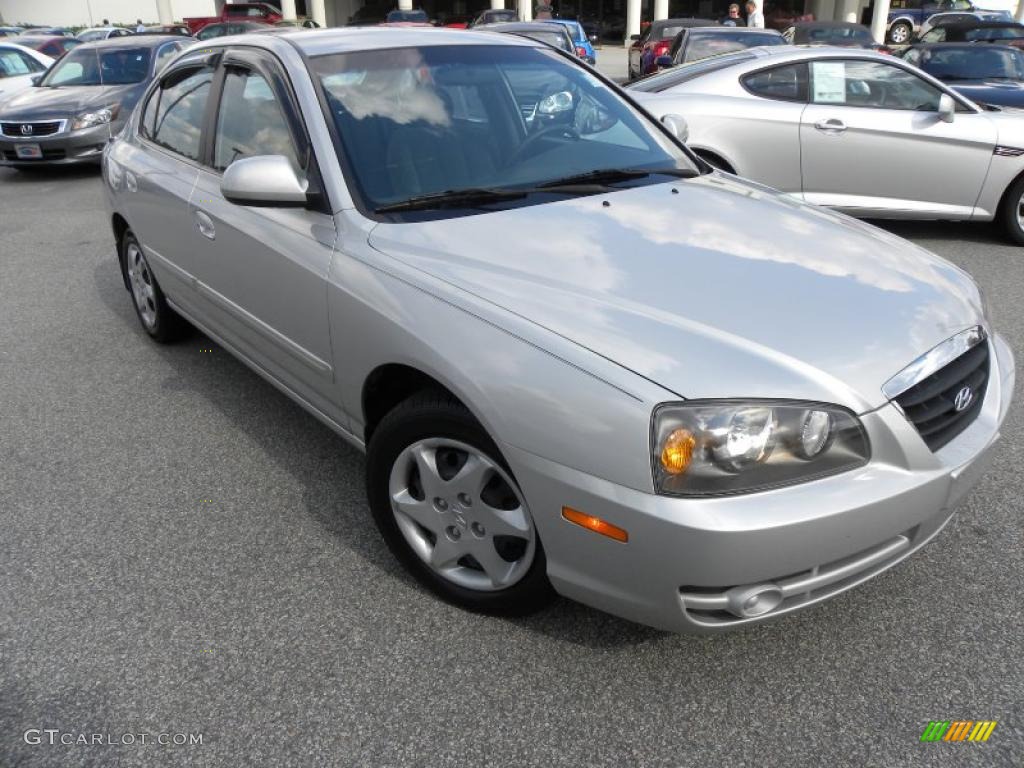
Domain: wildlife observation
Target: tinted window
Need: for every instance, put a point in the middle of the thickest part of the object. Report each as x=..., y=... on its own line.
x=250, y=121
x=973, y=63
x=995, y=33
x=838, y=36
x=14, y=63
x=554, y=38
x=174, y=113
x=788, y=83
x=164, y=54
x=701, y=46
x=93, y=66
x=934, y=35
x=871, y=84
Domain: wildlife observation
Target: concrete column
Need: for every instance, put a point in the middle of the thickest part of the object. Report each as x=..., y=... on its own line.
x=317, y=11
x=163, y=9
x=879, y=20
x=660, y=9
x=405, y=5
x=526, y=10
x=288, y=9
x=632, y=20
x=846, y=10
x=497, y=5
x=1019, y=15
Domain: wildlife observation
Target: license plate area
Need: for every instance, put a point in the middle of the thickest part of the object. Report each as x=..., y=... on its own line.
x=29, y=152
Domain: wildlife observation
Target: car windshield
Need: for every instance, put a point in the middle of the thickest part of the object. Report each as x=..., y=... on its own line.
x=973, y=64
x=92, y=34
x=417, y=15
x=702, y=46
x=994, y=33
x=100, y=66
x=838, y=36
x=424, y=121
x=553, y=37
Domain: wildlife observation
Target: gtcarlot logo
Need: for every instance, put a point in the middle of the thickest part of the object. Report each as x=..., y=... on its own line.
x=55, y=736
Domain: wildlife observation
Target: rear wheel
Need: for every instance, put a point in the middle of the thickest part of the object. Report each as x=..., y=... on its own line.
x=158, y=320
x=1012, y=211
x=450, y=510
x=900, y=32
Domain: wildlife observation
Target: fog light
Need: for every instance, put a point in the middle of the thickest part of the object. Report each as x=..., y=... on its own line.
x=677, y=452
x=748, y=602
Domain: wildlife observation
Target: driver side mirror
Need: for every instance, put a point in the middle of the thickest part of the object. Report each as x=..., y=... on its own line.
x=265, y=180
x=663, y=62
x=677, y=126
x=947, y=108
x=37, y=79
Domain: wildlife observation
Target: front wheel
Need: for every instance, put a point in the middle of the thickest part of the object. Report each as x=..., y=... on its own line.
x=450, y=510
x=1012, y=212
x=158, y=320
x=900, y=33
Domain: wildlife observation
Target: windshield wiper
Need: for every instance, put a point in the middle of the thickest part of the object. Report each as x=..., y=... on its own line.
x=613, y=175
x=454, y=198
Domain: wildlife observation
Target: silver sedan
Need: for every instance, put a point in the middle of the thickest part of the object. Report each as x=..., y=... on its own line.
x=859, y=131
x=578, y=360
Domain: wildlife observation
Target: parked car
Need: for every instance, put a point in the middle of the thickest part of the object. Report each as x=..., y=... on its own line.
x=102, y=33
x=52, y=46
x=986, y=74
x=19, y=66
x=1002, y=32
x=839, y=33
x=698, y=43
x=11, y=31
x=594, y=367
x=548, y=32
x=166, y=29
x=414, y=16
x=81, y=101
x=493, y=16
x=961, y=17
x=235, y=12
x=584, y=45
x=837, y=121
x=298, y=23
x=211, y=31
x=782, y=14
x=907, y=16
x=656, y=41
x=48, y=32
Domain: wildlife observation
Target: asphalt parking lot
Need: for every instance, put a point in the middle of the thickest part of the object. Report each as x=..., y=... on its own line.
x=184, y=550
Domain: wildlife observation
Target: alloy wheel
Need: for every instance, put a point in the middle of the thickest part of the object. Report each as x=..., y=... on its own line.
x=141, y=281
x=1020, y=212
x=462, y=514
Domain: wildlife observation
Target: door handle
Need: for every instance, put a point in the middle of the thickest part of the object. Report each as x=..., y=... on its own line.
x=205, y=225
x=832, y=125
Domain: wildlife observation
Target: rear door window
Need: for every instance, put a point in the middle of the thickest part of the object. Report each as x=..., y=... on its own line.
x=173, y=117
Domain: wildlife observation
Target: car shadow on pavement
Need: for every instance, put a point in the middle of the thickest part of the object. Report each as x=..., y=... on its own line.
x=984, y=232
x=31, y=175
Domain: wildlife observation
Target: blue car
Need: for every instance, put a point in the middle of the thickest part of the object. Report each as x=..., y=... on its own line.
x=584, y=48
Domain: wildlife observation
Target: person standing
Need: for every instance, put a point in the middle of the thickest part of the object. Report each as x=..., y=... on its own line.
x=733, y=19
x=755, y=18
x=141, y=27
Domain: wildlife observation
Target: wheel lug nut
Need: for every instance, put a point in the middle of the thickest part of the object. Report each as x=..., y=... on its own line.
x=441, y=504
x=464, y=500
x=478, y=530
x=452, y=533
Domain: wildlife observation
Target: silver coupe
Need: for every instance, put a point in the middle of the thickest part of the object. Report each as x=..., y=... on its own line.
x=855, y=130
x=579, y=360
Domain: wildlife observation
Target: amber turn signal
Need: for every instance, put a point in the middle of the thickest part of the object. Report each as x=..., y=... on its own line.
x=596, y=524
x=677, y=453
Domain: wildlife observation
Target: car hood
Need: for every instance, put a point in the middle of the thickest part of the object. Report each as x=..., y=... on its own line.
x=711, y=287
x=65, y=101
x=998, y=93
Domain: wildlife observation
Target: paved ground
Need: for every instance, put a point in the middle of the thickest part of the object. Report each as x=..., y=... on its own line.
x=184, y=550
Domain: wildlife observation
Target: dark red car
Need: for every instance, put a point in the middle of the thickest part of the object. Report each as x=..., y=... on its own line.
x=655, y=41
x=51, y=45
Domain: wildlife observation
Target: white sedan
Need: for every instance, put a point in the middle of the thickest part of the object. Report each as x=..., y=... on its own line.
x=18, y=65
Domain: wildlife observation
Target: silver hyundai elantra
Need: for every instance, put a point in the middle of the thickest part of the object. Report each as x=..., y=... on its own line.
x=579, y=360
x=856, y=130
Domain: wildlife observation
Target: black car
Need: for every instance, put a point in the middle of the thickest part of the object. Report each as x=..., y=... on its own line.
x=81, y=101
x=842, y=33
x=494, y=16
x=1003, y=32
x=988, y=74
x=701, y=42
x=555, y=35
x=166, y=29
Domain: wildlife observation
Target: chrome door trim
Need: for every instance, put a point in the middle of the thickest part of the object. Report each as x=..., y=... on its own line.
x=248, y=319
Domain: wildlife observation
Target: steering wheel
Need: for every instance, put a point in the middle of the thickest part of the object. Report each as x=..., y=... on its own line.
x=566, y=130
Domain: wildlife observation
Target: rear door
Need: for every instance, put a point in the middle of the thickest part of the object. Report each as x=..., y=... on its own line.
x=871, y=141
x=262, y=271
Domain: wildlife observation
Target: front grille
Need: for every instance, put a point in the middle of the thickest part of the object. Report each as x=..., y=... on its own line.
x=932, y=404
x=47, y=128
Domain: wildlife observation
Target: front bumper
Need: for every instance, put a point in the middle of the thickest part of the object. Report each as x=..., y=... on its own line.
x=689, y=563
x=64, y=148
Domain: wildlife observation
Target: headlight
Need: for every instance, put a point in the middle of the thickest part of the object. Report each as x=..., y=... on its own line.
x=92, y=119
x=714, y=447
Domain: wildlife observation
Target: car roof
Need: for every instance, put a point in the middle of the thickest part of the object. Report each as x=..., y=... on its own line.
x=965, y=46
x=38, y=38
x=318, y=42
x=128, y=41
x=984, y=25
x=521, y=26
x=719, y=30
x=827, y=25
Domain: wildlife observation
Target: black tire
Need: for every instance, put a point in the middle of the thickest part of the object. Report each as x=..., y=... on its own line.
x=900, y=29
x=1011, y=213
x=437, y=415
x=157, y=319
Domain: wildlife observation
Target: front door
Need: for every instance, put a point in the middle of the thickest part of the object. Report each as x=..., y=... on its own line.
x=872, y=142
